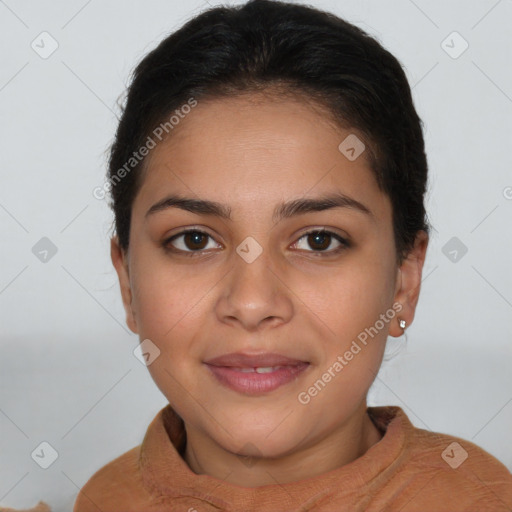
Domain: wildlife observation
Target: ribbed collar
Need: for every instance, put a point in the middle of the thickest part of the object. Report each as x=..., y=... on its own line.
x=165, y=472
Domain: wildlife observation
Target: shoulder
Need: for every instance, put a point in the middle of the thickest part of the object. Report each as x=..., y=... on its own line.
x=458, y=471
x=117, y=484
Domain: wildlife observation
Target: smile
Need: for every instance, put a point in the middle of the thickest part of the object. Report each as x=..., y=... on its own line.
x=256, y=380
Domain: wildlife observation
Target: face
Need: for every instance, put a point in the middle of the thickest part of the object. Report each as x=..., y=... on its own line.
x=303, y=283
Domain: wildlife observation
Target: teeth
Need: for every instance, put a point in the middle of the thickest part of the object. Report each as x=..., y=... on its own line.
x=267, y=369
x=262, y=369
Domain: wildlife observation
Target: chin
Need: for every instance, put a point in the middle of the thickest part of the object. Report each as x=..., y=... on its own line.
x=257, y=444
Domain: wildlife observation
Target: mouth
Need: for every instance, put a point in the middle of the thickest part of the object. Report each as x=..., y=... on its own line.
x=245, y=360
x=255, y=374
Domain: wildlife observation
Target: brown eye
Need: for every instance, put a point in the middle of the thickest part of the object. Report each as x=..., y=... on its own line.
x=188, y=241
x=321, y=240
x=195, y=240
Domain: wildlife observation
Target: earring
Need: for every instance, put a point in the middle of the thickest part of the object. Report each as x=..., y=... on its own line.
x=401, y=323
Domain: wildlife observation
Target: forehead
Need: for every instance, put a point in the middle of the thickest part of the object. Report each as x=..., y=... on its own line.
x=258, y=149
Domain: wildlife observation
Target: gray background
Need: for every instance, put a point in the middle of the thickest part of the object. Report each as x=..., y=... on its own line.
x=68, y=375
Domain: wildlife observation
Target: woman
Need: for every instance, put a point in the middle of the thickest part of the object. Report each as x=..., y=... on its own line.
x=268, y=179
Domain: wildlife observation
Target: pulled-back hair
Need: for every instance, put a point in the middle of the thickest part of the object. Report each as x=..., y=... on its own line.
x=266, y=45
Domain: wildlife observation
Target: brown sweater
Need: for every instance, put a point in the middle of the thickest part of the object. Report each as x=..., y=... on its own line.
x=408, y=470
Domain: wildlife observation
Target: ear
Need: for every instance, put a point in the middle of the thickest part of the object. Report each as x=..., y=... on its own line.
x=408, y=283
x=120, y=261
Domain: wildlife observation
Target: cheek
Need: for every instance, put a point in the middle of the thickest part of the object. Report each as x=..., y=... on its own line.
x=344, y=319
x=348, y=298
x=165, y=300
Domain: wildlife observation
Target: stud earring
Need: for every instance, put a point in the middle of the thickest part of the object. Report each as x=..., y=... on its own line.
x=401, y=323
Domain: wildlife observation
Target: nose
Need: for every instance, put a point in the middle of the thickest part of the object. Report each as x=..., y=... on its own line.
x=254, y=295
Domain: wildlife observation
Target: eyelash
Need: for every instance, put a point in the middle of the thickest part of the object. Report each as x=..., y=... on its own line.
x=345, y=244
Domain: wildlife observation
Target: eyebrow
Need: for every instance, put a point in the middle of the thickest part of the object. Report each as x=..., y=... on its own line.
x=282, y=211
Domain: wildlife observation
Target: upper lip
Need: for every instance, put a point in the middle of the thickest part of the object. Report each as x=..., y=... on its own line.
x=242, y=360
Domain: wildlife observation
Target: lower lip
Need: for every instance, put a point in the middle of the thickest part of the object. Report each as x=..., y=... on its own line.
x=253, y=383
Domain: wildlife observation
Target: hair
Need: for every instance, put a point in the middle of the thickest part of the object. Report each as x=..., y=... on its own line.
x=269, y=45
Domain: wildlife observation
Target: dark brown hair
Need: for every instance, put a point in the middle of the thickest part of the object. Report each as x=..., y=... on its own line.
x=264, y=44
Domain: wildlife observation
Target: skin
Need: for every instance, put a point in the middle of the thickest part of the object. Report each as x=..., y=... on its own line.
x=251, y=153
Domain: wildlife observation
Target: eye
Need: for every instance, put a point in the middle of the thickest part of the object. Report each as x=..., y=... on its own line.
x=192, y=242
x=189, y=242
x=320, y=240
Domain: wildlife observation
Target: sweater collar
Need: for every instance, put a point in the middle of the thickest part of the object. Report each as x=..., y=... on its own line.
x=165, y=472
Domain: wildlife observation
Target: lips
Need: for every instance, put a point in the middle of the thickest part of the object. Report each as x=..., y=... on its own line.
x=242, y=360
x=257, y=374
x=256, y=383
